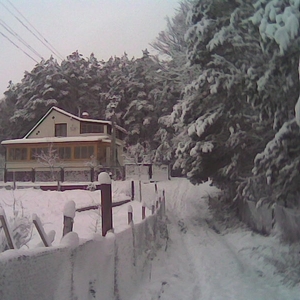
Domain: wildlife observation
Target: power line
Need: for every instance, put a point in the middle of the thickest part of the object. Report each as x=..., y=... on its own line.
x=30, y=30
x=12, y=32
x=54, y=50
x=18, y=47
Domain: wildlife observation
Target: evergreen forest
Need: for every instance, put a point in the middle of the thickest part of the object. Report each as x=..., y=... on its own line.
x=217, y=103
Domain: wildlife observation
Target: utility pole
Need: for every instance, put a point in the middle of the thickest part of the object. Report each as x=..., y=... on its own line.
x=113, y=143
x=113, y=158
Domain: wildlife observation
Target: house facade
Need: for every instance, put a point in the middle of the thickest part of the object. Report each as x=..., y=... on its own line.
x=73, y=141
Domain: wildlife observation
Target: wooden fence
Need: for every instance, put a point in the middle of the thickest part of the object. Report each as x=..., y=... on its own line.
x=61, y=174
x=106, y=206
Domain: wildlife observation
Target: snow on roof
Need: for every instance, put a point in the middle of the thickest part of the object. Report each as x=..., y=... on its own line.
x=71, y=116
x=57, y=140
x=104, y=139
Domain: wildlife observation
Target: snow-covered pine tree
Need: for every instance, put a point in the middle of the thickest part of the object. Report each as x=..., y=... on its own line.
x=175, y=74
x=32, y=97
x=220, y=142
x=276, y=171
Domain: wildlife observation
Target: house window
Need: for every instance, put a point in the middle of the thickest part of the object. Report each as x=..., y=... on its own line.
x=83, y=152
x=17, y=154
x=64, y=152
x=36, y=152
x=61, y=129
x=91, y=128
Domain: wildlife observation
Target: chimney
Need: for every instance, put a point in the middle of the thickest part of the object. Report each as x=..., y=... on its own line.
x=85, y=115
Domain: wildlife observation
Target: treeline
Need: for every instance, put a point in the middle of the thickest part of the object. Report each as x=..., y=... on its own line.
x=218, y=103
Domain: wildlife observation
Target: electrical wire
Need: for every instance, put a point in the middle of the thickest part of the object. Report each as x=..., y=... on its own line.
x=35, y=35
x=18, y=47
x=13, y=33
x=54, y=50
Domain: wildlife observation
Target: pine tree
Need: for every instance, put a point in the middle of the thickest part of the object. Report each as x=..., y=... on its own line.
x=276, y=174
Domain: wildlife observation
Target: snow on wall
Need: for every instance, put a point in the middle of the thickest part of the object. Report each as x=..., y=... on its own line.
x=266, y=219
x=102, y=268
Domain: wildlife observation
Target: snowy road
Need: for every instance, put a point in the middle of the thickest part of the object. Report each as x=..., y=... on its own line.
x=201, y=264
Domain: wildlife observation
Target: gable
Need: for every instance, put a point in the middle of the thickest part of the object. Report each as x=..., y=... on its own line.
x=56, y=117
x=46, y=125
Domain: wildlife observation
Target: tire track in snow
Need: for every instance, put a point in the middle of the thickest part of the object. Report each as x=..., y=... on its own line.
x=199, y=263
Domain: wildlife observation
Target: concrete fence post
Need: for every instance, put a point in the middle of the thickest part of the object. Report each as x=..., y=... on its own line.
x=6, y=229
x=106, y=202
x=130, y=214
x=69, y=215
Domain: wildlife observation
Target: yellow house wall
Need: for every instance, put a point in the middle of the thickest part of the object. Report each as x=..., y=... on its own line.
x=102, y=149
x=47, y=126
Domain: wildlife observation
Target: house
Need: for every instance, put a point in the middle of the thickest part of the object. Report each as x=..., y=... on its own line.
x=77, y=142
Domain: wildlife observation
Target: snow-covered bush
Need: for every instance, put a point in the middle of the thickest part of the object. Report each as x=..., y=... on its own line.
x=21, y=228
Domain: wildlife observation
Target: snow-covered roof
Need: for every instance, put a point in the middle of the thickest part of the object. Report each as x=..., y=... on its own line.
x=105, y=139
x=71, y=116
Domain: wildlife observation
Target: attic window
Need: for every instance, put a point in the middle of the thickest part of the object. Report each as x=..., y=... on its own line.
x=61, y=130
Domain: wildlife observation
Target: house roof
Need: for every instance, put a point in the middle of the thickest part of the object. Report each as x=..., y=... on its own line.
x=48, y=140
x=71, y=116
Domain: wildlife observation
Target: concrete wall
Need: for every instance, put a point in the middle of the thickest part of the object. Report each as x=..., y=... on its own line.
x=267, y=219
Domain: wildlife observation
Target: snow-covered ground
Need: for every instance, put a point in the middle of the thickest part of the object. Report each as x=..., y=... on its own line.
x=199, y=259
x=202, y=263
x=49, y=206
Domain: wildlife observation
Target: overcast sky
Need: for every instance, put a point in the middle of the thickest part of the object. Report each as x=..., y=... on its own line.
x=104, y=27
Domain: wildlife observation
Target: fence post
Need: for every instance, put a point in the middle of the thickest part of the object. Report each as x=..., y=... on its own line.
x=140, y=188
x=6, y=229
x=150, y=172
x=143, y=212
x=106, y=202
x=38, y=224
x=130, y=214
x=153, y=209
x=69, y=215
x=33, y=175
x=163, y=203
x=92, y=174
x=5, y=175
x=132, y=190
x=14, y=181
x=62, y=174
